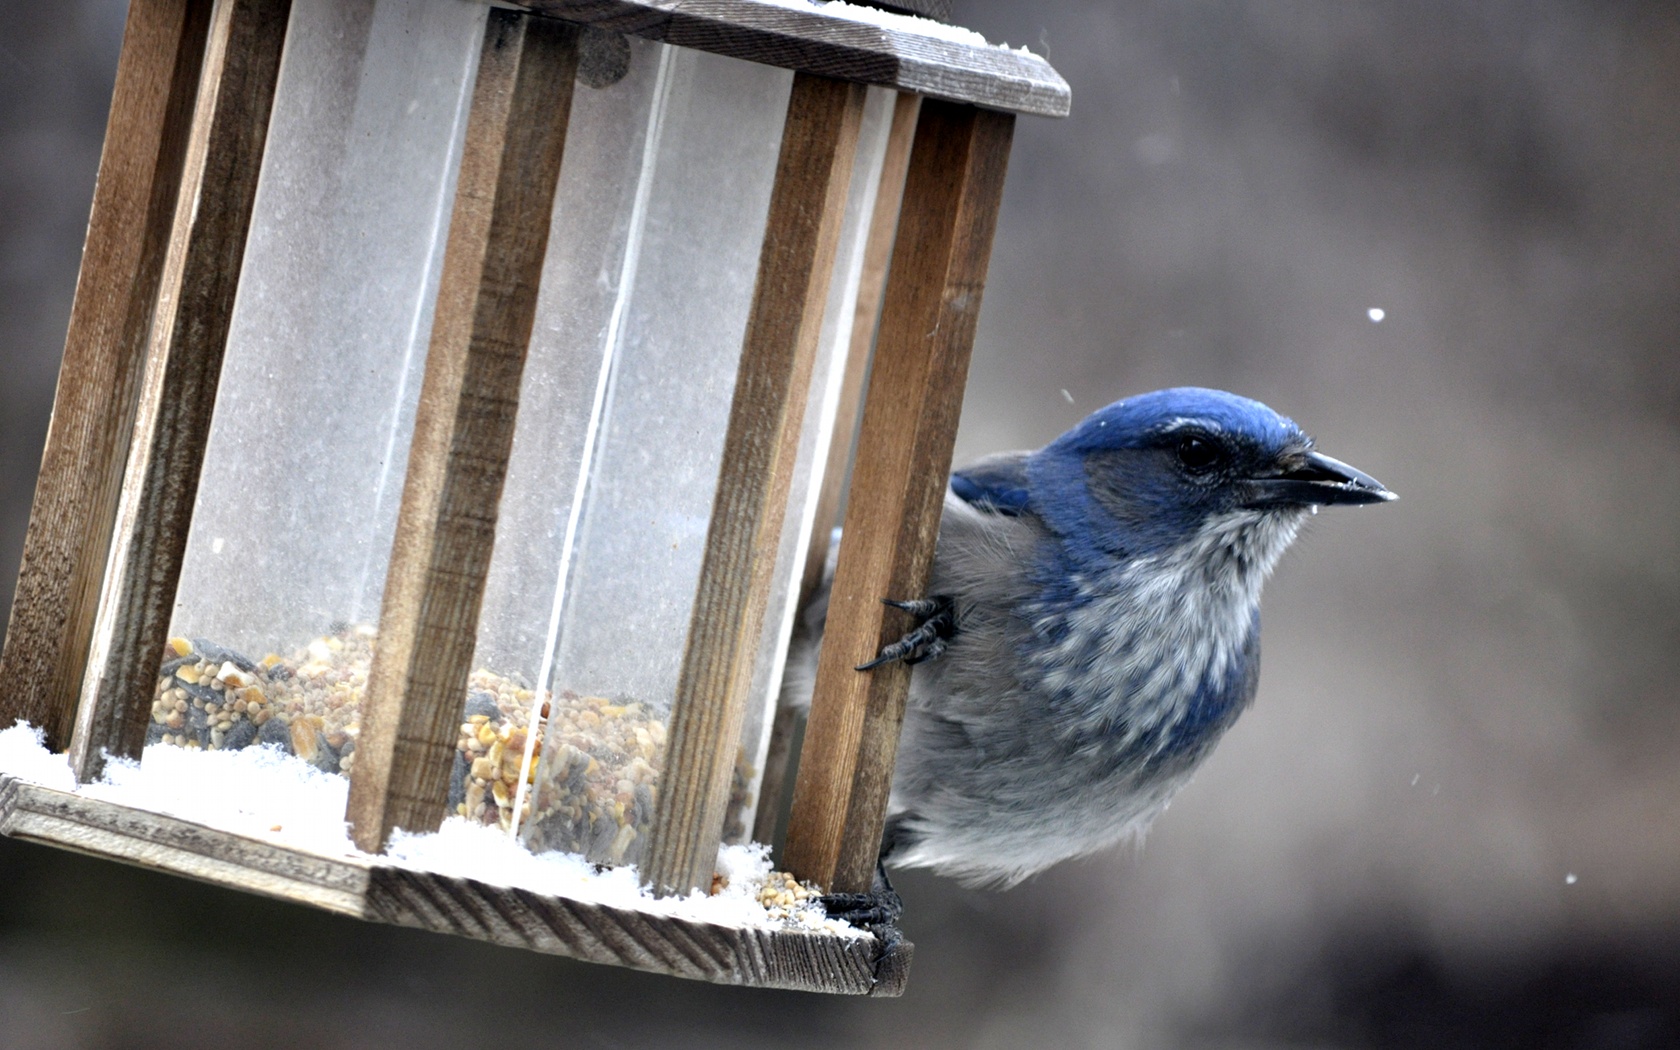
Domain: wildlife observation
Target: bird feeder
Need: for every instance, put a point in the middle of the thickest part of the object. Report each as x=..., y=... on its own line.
x=457, y=397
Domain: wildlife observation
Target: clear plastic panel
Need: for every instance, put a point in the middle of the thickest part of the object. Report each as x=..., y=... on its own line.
x=303, y=473
x=587, y=276
x=820, y=410
x=623, y=585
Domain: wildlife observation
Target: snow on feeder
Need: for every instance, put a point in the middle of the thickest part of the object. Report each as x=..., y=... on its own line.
x=456, y=399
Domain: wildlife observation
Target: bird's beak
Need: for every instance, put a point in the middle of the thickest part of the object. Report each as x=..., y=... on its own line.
x=1317, y=481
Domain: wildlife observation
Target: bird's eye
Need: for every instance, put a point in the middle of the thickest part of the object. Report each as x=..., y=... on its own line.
x=1197, y=454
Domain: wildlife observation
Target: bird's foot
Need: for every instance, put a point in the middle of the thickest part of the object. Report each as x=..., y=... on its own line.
x=878, y=911
x=873, y=909
x=936, y=625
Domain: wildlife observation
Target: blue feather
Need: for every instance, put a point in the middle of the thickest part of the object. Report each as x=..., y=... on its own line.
x=1107, y=589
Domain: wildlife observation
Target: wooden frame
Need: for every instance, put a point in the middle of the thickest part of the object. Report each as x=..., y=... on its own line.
x=463, y=432
x=951, y=197
x=178, y=387
x=872, y=283
x=795, y=266
x=75, y=508
x=143, y=358
x=897, y=56
x=364, y=888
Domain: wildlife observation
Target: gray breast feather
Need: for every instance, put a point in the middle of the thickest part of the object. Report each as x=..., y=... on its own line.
x=990, y=784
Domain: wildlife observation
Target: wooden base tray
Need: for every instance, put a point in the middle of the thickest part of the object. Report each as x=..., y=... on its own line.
x=762, y=957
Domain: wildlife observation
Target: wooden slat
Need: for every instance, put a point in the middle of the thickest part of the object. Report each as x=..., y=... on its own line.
x=359, y=886
x=178, y=389
x=180, y=847
x=463, y=431
x=807, y=205
x=949, y=214
x=828, y=44
x=872, y=286
x=872, y=283
x=756, y=957
x=75, y=504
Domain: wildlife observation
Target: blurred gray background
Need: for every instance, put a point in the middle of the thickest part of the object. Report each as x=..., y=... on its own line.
x=1453, y=818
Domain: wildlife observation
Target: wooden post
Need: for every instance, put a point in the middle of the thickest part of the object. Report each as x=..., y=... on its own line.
x=807, y=204
x=949, y=214
x=872, y=286
x=463, y=430
x=872, y=283
x=75, y=505
x=178, y=389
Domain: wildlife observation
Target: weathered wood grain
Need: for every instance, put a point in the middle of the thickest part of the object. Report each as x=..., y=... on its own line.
x=463, y=431
x=872, y=286
x=75, y=506
x=179, y=847
x=362, y=887
x=810, y=41
x=761, y=444
x=872, y=282
x=949, y=214
x=178, y=389
x=753, y=956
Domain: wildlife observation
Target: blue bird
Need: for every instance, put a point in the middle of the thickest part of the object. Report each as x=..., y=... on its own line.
x=1094, y=627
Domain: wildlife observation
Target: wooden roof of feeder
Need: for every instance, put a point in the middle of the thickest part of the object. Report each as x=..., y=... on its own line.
x=194, y=89
x=913, y=55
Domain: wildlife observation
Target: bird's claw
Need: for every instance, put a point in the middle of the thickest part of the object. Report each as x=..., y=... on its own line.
x=921, y=608
x=875, y=909
x=936, y=626
x=878, y=911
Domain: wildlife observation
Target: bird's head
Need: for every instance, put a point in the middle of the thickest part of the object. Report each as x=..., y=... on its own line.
x=1165, y=469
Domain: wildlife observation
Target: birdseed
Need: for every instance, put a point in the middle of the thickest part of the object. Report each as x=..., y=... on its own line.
x=598, y=792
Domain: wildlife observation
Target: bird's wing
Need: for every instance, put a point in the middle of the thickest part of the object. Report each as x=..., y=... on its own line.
x=997, y=483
